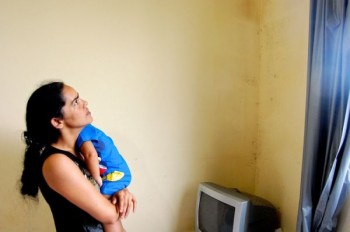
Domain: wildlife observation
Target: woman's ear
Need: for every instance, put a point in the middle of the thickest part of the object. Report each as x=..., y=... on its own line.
x=57, y=123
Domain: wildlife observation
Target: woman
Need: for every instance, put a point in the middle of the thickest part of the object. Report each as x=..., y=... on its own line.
x=55, y=116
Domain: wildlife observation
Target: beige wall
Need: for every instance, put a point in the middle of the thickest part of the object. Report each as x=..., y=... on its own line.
x=344, y=219
x=191, y=91
x=282, y=94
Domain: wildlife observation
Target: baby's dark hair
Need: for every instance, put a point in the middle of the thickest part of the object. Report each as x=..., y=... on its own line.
x=45, y=103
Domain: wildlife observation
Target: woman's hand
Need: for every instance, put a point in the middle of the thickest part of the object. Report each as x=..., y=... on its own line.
x=125, y=201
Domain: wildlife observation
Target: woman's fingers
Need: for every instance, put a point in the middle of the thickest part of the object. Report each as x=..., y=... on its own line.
x=126, y=202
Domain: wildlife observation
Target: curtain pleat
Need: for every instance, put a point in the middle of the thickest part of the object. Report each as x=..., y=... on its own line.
x=326, y=157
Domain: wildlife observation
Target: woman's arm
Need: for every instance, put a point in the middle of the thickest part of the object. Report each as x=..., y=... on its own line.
x=65, y=177
x=91, y=159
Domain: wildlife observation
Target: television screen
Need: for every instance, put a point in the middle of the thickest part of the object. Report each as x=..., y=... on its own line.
x=221, y=217
x=221, y=209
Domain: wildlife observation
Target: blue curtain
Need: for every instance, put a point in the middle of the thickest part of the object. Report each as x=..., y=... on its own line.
x=325, y=172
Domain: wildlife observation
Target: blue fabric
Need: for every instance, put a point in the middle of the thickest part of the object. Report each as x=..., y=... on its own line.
x=110, y=157
x=326, y=160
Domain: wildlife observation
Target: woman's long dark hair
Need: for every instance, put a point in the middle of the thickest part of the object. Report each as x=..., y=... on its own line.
x=44, y=104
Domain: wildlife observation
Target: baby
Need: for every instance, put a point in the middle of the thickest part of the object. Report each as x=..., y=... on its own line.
x=103, y=160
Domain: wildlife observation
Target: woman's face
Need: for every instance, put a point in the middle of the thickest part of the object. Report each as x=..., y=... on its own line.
x=75, y=111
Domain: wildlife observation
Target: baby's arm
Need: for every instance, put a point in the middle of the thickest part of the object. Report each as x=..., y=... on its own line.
x=91, y=159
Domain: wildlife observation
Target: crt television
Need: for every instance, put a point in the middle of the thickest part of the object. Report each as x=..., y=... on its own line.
x=221, y=209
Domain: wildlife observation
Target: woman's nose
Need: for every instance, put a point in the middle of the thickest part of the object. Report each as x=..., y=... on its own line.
x=85, y=103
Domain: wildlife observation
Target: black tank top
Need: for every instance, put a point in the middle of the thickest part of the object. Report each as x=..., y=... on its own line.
x=67, y=216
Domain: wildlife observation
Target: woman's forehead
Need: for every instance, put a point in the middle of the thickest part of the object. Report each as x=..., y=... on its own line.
x=69, y=93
